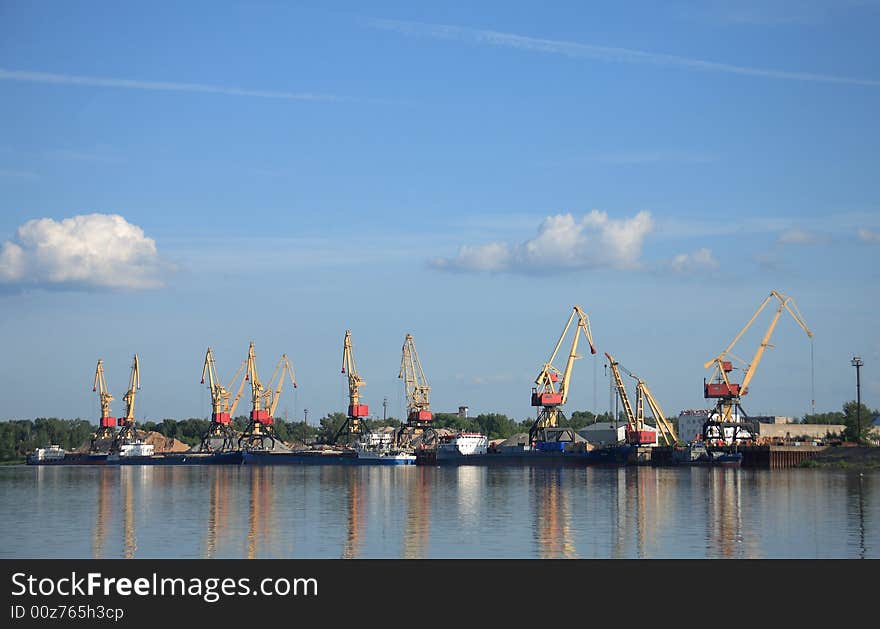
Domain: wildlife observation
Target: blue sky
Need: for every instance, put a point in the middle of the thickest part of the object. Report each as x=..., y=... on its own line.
x=462, y=173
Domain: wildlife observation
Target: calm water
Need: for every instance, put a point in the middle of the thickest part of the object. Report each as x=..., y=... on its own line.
x=384, y=512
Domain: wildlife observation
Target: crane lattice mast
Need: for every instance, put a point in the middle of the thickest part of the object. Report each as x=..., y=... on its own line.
x=356, y=410
x=107, y=422
x=418, y=391
x=220, y=428
x=127, y=423
x=259, y=428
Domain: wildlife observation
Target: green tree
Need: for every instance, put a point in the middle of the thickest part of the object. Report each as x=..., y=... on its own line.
x=330, y=425
x=834, y=417
x=851, y=420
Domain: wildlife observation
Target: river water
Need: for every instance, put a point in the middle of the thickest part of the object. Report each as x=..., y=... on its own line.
x=433, y=512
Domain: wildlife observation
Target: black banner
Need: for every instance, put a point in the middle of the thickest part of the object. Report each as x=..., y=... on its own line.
x=169, y=592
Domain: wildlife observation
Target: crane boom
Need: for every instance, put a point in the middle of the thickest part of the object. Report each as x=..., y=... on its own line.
x=238, y=393
x=418, y=390
x=274, y=395
x=134, y=385
x=636, y=433
x=664, y=426
x=632, y=420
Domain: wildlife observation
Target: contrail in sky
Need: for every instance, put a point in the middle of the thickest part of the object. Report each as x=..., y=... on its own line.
x=599, y=53
x=164, y=86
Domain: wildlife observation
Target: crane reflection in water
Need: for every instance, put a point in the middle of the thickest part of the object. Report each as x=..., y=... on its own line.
x=553, y=530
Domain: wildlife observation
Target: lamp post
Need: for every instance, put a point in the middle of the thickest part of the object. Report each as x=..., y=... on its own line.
x=857, y=363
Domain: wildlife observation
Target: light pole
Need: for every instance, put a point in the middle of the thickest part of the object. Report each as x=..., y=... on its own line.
x=857, y=363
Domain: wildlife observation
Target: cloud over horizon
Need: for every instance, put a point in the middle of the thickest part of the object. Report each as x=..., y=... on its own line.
x=700, y=260
x=866, y=235
x=562, y=242
x=84, y=251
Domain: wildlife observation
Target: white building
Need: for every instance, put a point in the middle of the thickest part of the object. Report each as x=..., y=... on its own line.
x=605, y=433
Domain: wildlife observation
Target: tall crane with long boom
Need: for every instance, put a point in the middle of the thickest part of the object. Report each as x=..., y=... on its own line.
x=259, y=427
x=221, y=412
x=728, y=393
x=550, y=393
x=635, y=421
x=356, y=410
x=273, y=394
x=126, y=424
x=418, y=391
x=107, y=422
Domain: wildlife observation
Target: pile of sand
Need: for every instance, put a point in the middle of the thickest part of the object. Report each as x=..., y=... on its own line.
x=160, y=443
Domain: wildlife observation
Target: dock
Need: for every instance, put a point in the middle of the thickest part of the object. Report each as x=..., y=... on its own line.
x=772, y=457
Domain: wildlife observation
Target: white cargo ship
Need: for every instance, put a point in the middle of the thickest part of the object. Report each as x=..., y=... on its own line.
x=463, y=444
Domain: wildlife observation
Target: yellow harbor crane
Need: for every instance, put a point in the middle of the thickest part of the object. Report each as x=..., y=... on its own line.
x=550, y=392
x=729, y=393
x=356, y=410
x=107, y=422
x=635, y=421
x=221, y=412
x=126, y=424
x=273, y=394
x=260, y=425
x=418, y=391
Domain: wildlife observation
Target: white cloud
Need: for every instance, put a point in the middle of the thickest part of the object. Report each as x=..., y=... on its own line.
x=796, y=236
x=161, y=86
x=866, y=235
x=89, y=250
x=599, y=53
x=562, y=242
x=700, y=260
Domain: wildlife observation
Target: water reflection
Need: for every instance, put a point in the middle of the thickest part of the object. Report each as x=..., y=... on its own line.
x=724, y=526
x=129, y=538
x=356, y=515
x=104, y=519
x=260, y=511
x=856, y=498
x=553, y=532
x=422, y=512
x=218, y=510
x=418, y=511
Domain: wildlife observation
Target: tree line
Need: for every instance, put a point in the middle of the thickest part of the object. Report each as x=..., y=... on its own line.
x=18, y=437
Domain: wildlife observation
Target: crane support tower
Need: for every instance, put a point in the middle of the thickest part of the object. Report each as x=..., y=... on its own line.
x=635, y=421
x=107, y=423
x=127, y=430
x=418, y=391
x=220, y=437
x=356, y=410
x=551, y=391
x=263, y=402
x=726, y=422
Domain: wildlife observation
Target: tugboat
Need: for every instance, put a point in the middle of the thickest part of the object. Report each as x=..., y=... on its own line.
x=376, y=448
x=696, y=453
